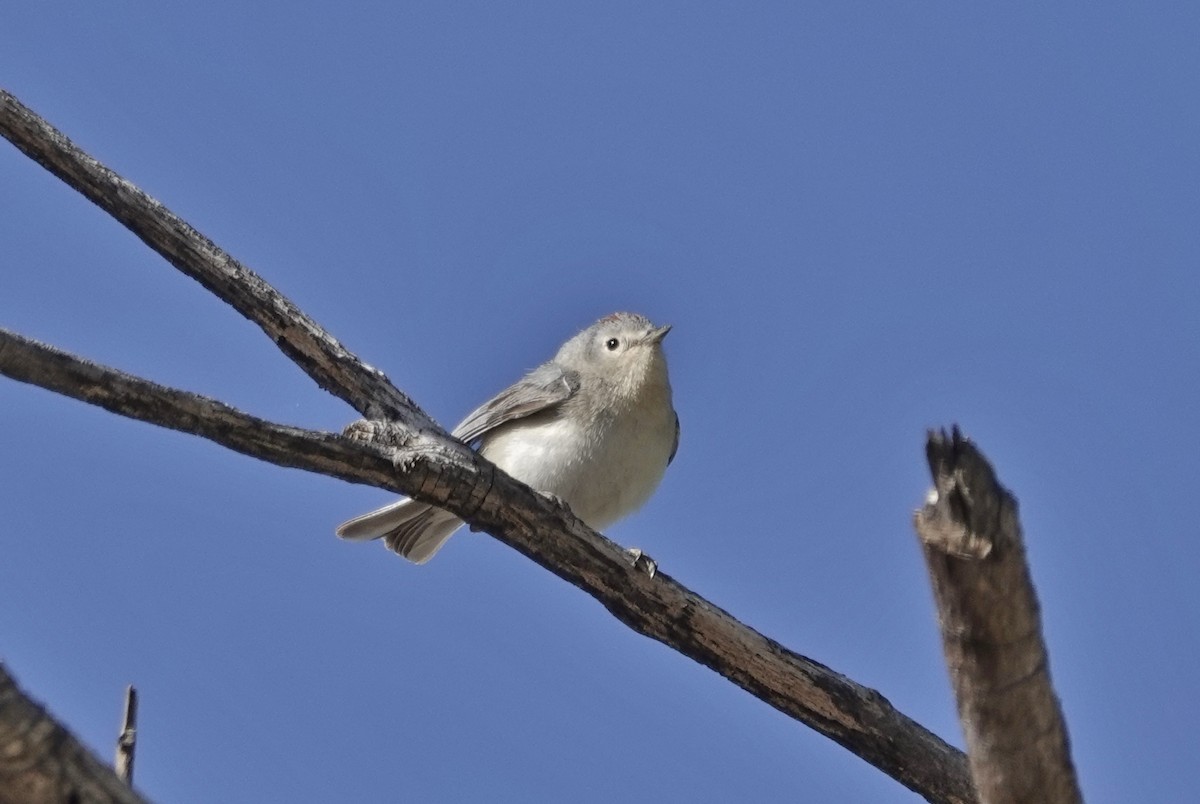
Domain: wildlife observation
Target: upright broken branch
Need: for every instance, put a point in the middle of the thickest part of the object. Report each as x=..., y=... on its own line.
x=991, y=628
x=127, y=738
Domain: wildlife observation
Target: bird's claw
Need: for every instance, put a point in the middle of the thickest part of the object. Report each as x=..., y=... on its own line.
x=554, y=498
x=642, y=561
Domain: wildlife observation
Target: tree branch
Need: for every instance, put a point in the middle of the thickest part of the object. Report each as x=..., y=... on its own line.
x=309, y=346
x=42, y=763
x=442, y=471
x=423, y=462
x=991, y=631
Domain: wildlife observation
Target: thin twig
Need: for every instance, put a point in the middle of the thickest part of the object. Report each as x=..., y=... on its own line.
x=127, y=739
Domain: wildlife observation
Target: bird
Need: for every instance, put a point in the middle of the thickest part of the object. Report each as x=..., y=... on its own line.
x=593, y=427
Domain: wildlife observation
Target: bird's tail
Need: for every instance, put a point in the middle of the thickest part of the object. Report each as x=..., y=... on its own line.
x=413, y=529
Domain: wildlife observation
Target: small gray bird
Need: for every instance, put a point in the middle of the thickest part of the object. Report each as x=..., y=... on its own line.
x=593, y=427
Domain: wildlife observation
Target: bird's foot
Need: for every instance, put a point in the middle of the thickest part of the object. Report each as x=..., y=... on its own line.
x=555, y=498
x=642, y=561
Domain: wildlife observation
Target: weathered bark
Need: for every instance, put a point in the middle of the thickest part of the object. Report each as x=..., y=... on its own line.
x=422, y=461
x=311, y=348
x=991, y=628
x=42, y=763
x=438, y=469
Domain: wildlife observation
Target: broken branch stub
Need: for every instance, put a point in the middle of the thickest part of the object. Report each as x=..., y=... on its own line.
x=1017, y=743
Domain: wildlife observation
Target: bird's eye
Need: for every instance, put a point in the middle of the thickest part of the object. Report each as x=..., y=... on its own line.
x=612, y=344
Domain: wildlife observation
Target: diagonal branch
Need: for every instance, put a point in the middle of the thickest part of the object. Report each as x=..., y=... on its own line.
x=442, y=471
x=433, y=466
x=423, y=462
x=299, y=337
x=992, y=630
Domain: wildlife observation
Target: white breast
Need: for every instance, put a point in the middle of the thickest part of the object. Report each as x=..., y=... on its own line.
x=604, y=472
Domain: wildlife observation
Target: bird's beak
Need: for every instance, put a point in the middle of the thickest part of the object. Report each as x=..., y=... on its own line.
x=656, y=335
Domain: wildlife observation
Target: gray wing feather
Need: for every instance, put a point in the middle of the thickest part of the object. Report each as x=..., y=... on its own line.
x=416, y=530
x=423, y=535
x=545, y=387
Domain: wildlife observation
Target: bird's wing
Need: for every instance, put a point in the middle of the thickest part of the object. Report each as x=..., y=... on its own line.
x=545, y=387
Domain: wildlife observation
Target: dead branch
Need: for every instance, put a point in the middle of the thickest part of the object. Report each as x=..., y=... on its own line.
x=127, y=738
x=991, y=631
x=305, y=343
x=422, y=461
x=461, y=481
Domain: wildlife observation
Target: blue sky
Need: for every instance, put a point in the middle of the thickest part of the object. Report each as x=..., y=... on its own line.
x=862, y=221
